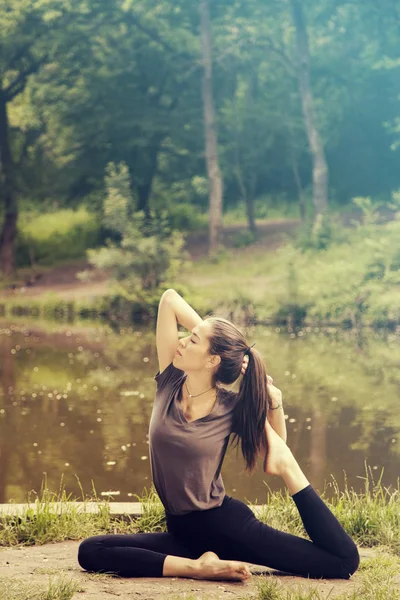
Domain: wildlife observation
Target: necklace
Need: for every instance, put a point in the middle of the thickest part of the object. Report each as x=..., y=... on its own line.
x=195, y=395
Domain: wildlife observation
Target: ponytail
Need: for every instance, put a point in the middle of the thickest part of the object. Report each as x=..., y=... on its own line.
x=250, y=412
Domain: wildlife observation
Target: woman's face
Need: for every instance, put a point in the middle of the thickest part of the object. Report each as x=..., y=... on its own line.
x=194, y=349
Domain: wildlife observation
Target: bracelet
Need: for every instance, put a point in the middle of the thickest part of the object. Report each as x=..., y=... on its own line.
x=275, y=407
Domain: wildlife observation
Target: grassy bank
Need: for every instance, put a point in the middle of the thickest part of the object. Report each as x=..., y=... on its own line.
x=371, y=518
x=353, y=282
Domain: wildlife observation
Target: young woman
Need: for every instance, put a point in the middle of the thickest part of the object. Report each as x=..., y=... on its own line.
x=210, y=534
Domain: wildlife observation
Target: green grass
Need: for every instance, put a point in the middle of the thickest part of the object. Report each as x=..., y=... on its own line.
x=356, y=280
x=40, y=524
x=371, y=518
x=60, y=588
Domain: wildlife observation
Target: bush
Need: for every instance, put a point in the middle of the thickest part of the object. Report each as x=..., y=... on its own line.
x=320, y=234
x=186, y=217
x=149, y=254
x=53, y=237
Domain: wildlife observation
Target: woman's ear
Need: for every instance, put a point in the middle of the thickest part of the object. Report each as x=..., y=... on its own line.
x=215, y=361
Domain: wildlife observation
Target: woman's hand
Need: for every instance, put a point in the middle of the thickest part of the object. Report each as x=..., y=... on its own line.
x=245, y=363
x=274, y=393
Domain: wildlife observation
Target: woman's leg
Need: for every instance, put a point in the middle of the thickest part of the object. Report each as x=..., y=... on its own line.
x=239, y=535
x=135, y=555
x=154, y=555
x=235, y=533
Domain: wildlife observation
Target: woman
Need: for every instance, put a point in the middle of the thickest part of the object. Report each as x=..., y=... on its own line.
x=210, y=534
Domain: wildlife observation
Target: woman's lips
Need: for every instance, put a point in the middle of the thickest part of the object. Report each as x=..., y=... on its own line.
x=178, y=353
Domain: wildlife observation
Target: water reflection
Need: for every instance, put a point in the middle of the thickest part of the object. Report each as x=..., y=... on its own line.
x=76, y=400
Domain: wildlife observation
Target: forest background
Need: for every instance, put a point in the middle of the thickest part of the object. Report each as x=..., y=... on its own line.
x=128, y=126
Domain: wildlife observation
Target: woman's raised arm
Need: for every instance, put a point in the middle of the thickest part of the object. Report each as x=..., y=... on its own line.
x=172, y=309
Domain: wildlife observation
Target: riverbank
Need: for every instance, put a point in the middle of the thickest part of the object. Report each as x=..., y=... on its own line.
x=39, y=545
x=39, y=548
x=353, y=283
x=371, y=518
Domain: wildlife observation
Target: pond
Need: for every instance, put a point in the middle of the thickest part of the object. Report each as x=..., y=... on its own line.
x=76, y=401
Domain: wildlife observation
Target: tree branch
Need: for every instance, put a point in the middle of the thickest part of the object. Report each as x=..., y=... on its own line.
x=18, y=84
x=156, y=37
x=286, y=61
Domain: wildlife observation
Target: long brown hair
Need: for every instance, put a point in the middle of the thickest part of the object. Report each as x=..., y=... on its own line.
x=250, y=412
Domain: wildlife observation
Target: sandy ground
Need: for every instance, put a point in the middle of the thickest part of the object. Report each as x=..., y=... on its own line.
x=35, y=564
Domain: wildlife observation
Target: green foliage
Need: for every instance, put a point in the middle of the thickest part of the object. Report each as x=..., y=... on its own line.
x=185, y=217
x=331, y=286
x=292, y=311
x=46, y=239
x=369, y=210
x=149, y=254
x=266, y=207
x=244, y=238
x=118, y=201
x=320, y=234
x=62, y=62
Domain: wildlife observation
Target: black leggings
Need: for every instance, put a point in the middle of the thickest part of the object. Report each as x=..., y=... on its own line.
x=234, y=533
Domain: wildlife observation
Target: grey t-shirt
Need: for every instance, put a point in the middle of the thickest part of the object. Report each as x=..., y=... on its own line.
x=186, y=457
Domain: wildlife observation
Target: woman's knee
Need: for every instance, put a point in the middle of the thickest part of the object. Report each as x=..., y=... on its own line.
x=351, y=563
x=87, y=550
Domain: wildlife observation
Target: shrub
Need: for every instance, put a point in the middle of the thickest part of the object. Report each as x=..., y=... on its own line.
x=185, y=217
x=319, y=234
x=149, y=254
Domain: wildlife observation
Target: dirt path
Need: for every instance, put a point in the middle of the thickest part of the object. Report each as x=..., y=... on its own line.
x=62, y=280
x=36, y=563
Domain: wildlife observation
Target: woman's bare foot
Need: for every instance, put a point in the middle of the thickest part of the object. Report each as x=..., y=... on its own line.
x=279, y=456
x=211, y=567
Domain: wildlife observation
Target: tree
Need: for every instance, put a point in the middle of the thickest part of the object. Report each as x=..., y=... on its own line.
x=32, y=36
x=214, y=173
x=320, y=167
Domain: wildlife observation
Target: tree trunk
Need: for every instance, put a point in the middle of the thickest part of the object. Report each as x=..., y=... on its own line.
x=150, y=170
x=9, y=228
x=213, y=170
x=246, y=196
x=320, y=168
x=299, y=187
